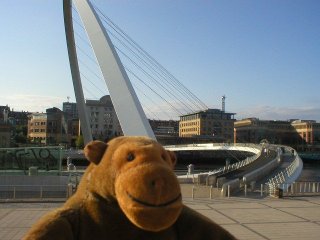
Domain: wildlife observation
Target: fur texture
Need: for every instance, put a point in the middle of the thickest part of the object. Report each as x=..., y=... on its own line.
x=129, y=191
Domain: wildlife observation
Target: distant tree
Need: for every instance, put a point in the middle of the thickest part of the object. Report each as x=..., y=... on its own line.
x=80, y=142
x=20, y=134
x=20, y=138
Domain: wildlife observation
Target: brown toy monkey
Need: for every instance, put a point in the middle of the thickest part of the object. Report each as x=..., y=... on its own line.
x=129, y=191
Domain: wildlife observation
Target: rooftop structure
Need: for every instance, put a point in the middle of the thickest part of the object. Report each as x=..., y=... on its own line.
x=70, y=108
x=208, y=123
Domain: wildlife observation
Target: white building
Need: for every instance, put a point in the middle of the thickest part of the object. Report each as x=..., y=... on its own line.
x=104, y=122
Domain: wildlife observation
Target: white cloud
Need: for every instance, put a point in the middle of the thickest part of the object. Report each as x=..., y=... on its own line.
x=31, y=103
x=280, y=113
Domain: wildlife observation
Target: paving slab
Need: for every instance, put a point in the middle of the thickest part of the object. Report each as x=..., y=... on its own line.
x=291, y=230
x=306, y=213
x=242, y=232
x=238, y=205
x=246, y=218
x=259, y=215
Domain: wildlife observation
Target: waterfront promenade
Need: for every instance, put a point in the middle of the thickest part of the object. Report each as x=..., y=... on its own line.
x=247, y=218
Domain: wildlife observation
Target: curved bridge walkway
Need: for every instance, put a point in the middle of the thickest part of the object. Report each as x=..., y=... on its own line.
x=267, y=163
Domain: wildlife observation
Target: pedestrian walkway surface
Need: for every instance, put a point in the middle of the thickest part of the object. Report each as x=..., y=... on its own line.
x=247, y=218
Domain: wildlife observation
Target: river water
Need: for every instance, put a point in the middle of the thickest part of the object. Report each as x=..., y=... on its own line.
x=310, y=172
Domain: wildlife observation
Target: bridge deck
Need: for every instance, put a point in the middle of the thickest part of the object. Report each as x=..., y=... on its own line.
x=259, y=162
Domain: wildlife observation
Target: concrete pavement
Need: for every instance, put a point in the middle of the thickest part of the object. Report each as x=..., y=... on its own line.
x=247, y=218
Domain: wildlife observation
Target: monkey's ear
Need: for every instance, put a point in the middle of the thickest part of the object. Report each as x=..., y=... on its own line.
x=94, y=151
x=173, y=158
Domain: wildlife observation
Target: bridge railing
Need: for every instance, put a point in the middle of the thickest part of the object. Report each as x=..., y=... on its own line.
x=34, y=191
x=231, y=167
x=287, y=176
x=295, y=189
x=208, y=145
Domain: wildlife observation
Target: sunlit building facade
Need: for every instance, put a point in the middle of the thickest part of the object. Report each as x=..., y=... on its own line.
x=209, y=123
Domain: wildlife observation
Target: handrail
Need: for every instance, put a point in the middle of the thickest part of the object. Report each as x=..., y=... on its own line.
x=35, y=191
x=208, y=145
x=36, y=185
x=287, y=176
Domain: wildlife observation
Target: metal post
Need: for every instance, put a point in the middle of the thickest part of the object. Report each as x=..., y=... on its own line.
x=14, y=192
x=60, y=161
x=67, y=195
x=41, y=192
x=211, y=192
x=261, y=190
x=300, y=187
x=245, y=190
x=193, y=190
x=69, y=190
x=228, y=191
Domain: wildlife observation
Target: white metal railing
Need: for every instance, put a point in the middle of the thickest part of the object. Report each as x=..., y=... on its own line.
x=296, y=188
x=251, y=145
x=232, y=167
x=35, y=191
x=253, y=148
x=286, y=176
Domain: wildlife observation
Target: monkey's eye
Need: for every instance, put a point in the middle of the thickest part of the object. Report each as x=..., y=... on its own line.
x=130, y=157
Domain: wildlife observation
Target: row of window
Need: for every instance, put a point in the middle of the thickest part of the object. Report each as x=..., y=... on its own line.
x=97, y=108
x=190, y=124
x=204, y=129
x=36, y=130
x=50, y=123
x=189, y=130
x=38, y=124
x=207, y=123
x=38, y=138
x=105, y=126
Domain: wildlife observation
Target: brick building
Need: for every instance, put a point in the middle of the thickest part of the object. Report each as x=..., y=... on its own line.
x=52, y=127
x=209, y=123
x=295, y=133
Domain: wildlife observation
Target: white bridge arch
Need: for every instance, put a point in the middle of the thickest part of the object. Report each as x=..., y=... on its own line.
x=131, y=116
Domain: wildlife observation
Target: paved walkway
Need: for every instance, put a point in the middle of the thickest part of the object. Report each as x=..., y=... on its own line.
x=247, y=218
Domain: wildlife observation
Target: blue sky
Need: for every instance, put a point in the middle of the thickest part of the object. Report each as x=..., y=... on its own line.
x=263, y=55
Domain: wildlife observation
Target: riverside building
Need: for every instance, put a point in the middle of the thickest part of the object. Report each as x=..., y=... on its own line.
x=103, y=119
x=211, y=123
x=299, y=134
x=50, y=127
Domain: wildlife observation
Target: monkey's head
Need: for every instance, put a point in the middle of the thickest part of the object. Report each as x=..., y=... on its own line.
x=138, y=173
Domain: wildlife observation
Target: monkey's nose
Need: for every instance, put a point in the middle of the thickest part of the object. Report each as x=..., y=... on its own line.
x=157, y=184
